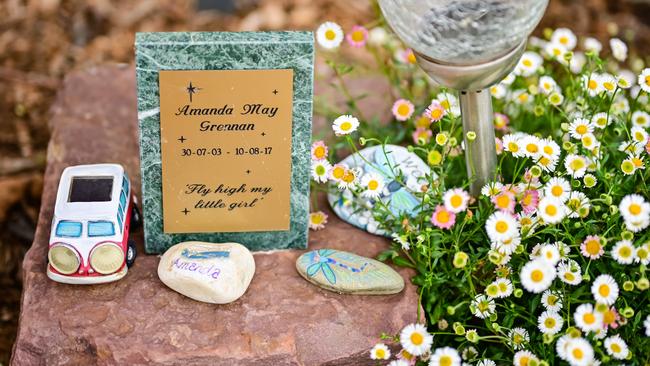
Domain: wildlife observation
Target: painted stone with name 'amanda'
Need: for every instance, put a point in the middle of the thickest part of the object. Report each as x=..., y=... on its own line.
x=348, y=273
x=207, y=272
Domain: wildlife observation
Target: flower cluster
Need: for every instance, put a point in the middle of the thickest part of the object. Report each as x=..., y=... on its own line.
x=549, y=262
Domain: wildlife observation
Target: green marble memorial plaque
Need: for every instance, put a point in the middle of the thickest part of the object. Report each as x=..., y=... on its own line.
x=225, y=131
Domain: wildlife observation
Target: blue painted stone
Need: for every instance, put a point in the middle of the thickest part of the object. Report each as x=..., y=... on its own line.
x=388, y=161
x=348, y=273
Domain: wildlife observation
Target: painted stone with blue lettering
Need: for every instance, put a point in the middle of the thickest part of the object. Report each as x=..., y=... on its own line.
x=207, y=272
x=403, y=173
x=348, y=273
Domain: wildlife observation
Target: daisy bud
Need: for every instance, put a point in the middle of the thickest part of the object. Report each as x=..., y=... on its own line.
x=628, y=312
x=362, y=141
x=434, y=157
x=543, y=363
x=548, y=33
x=568, y=56
x=589, y=180
x=627, y=235
x=643, y=284
x=548, y=338
x=519, y=249
x=496, y=327
x=575, y=184
x=451, y=310
x=586, y=277
x=567, y=145
x=410, y=148
x=427, y=199
x=536, y=171
x=443, y=324
x=607, y=198
x=459, y=329
x=565, y=127
x=472, y=336
x=628, y=286
x=538, y=110
x=471, y=136
x=533, y=362
x=494, y=317
x=518, y=292
x=453, y=141
x=460, y=259
x=613, y=209
x=590, y=54
x=574, y=332
x=532, y=89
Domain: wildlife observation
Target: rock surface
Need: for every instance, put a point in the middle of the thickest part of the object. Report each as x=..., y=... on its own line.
x=208, y=272
x=386, y=162
x=348, y=273
x=281, y=319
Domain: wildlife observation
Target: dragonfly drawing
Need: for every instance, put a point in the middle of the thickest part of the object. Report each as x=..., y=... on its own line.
x=322, y=261
x=400, y=199
x=191, y=254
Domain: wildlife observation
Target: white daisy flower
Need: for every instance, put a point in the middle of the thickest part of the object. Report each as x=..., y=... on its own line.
x=589, y=141
x=608, y=82
x=551, y=210
x=577, y=62
x=415, y=339
x=624, y=252
x=350, y=179
x=616, y=347
x=373, y=184
x=644, y=80
x=498, y=91
x=557, y=188
x=565, y=37
x=578, y=204
x=501, y=226
x=579, y=352
x=621, y=105
x=640, y=119
x=646, y=324
x=445, y=356
x=482, y=306
x=528, y=64
x=491, y=189
x=550, y=322
x=631, y=148
x=556, y=52
x=537, y=276
x=399, y=362
x=552, y=301
x=592, y=84
x=547, y=84
x=601, y=120
x=509, y=79
x=320, y=170
x=619, y=49
x=380, y=352
x=569, y=272
x=521, y=96
x=512, y=144
x=524, y=358
x=531, y=146
x=518, y=338
x=455, y=200
x=633, y=207
x=639, y=135
x=642, y=254
x=401, y=240
x=449, y=102
x=580, y=127
x=592, y=44
x=345, y=125
x=562, y=344
x=505, y=287
x=549, y=253
x=377, y=36
x=508, y=246
x=626, y=79
x=605, y=289
x=576, y=165
x=587, y=318
x=329, y=35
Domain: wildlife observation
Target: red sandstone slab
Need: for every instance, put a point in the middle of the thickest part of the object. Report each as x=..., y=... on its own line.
x=281, y=320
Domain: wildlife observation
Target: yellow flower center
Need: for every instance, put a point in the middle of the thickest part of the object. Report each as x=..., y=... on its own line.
x=577, y=164
x=548, y=150
x=403, y=109
x=569, y=276
x=532, y=148
x=528, y=199
x=537, y=275
x=557, y=51
x=445, y=104
x=320, y=170
x=330, y=35
x=609, y=317
x=592, y=84
x=551, y=210
x=609, y=85
x=338, y=172
x=527, y=62
x=593, y=247
x=436, y=113
x=549, y=322
x=319, y=152
x=372, y=185
x=524, y=360
x=380, y=353
x=443, y=217
x=501, y=227
x=581, y=129
x=647, y=80
x=456, y=200
x=564, y=40
x=348, y=177
x=624, y=252
x=557, y=191
x=346, y=126
x=635, y=209
x=316, y=219
x=503, y=201
x=411, y=58
x=512, y=146
x=616, y=348
x=357, y=36
x=578, y=354
x=547, y=86
x=417, y=338
x=445, y=360
x=589, y=318
x=523, y=97
x=603, y=290
x=639, y=136
x=552, y=300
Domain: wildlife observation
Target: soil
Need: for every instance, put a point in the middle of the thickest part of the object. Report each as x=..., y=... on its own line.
x=42, y=40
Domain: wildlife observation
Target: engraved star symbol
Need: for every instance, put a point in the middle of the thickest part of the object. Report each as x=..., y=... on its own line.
x=191, y=89
x=248, y=172
x=182, y=139
x=186, y=211
x=275, y=91
x=263, y=133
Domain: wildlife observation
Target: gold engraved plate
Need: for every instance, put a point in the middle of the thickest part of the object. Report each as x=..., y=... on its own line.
x=226, y=150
